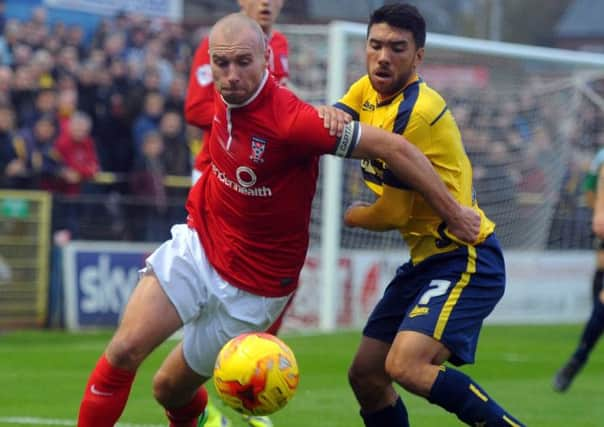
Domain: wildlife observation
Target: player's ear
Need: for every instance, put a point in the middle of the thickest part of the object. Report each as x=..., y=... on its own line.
x=419, y=56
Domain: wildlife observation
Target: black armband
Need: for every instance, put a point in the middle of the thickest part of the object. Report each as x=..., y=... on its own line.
x=346, y=143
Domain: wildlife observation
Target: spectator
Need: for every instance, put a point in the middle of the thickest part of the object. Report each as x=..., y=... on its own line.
x=149, y=118
x=77, y=152
x=147, y=181
x=45, y=105
x=12, y=162
x=42, y=160
x=177, y=157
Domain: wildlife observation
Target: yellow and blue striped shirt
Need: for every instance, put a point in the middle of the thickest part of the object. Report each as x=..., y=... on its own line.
x=421, y=115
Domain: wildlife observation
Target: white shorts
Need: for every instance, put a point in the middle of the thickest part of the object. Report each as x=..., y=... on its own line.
x=212, y=310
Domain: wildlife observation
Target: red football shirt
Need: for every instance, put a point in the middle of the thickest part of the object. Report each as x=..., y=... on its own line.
x=199, y=103
x=251, y=206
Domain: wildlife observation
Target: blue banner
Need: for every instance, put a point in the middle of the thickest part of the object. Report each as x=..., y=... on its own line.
x=99, y=278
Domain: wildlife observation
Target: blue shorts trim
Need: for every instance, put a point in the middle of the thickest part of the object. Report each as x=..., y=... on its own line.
x=446, y=296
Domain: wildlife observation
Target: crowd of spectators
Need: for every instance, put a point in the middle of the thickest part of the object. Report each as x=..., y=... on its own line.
x=72, y=106
x=98, y=120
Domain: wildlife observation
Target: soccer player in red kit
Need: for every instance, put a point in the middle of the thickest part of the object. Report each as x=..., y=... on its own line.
x=199, y=111
x=199, y=103
x=232, y=269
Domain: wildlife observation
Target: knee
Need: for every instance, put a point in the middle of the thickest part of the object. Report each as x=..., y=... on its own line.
x=355, y=376
x=365, y=380
x=124, y=353
x=406, y=374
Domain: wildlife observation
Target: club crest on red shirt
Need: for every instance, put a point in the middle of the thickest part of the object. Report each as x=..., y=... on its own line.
x=258, y=147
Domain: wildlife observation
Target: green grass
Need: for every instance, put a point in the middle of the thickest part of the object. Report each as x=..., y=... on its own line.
x=42, y=375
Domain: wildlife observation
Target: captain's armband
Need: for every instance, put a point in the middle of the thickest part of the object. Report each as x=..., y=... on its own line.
x=351, y=135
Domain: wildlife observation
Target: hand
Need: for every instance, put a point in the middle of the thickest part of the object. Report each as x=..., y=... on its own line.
x=350, y=208
x=334, y=119
x=70, y=175
x=598, y=225
x=15, y=168
x=465, y=226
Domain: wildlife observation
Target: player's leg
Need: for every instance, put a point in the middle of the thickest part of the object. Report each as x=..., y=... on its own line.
x=141, y=330
x=591, y=333
x=416, y=363
x=460, y=289
x=380, y=404
x=372, y=386
x=226, y=313
x=179, y=390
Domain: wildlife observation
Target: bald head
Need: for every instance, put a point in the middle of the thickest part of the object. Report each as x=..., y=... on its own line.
x=235, y=28
x=238, y=57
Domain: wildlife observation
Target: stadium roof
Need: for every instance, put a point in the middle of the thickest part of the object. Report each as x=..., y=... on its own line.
x=582, y=19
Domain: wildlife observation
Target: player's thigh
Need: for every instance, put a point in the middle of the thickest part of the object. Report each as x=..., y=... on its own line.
x=386, y=317
x=229, y=312
x=149, y=319
x=459, y=291
x=370, y=359
x=416, y=348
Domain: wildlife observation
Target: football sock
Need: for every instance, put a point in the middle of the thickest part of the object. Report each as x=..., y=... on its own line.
x=391, y=416
x=457, y=393
x=187, y=416
x=596, y=285
x=591, y=333
x=106, y=394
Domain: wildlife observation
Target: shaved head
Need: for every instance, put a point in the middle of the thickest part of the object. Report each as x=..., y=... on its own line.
x=235, y=27
x=238, y=57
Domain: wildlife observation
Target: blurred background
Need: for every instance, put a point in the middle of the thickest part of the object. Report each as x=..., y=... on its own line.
x=96, y=156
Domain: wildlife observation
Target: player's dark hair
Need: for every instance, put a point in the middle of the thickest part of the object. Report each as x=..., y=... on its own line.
x=403, y=16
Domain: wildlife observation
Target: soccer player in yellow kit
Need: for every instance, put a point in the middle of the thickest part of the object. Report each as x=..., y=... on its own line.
x=432, y=310
x=594, y=327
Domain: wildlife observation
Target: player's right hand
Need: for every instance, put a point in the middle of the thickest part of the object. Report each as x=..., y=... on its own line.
x=334, y=119
x=464, y=225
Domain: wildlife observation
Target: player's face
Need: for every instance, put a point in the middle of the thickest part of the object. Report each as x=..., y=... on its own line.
x=392, y=58
x=238, y=64
x=264, y=12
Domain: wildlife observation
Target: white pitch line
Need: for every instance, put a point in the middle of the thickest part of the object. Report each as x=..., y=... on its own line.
x=55, y=422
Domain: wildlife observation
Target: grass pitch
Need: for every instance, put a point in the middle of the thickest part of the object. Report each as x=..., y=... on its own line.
x=42, y=376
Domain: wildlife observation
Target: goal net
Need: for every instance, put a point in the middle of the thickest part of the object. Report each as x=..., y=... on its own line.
x=531, y=119
x=528, y=117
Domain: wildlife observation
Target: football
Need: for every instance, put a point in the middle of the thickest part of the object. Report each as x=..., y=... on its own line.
x=256, y=374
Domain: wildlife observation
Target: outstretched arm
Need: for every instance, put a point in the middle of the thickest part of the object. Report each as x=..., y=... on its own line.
x=411, y=166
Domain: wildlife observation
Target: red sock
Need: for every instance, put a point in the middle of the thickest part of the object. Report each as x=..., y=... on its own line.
x=187, y=416
x=105, y=396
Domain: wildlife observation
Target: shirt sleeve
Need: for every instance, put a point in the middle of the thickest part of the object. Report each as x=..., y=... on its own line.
x=199, y=102
x=390, y=211
x=305, y=129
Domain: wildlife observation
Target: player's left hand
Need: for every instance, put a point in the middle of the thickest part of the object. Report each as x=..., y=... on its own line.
x=334, y=119
x=347, y=214
x=465, y=225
